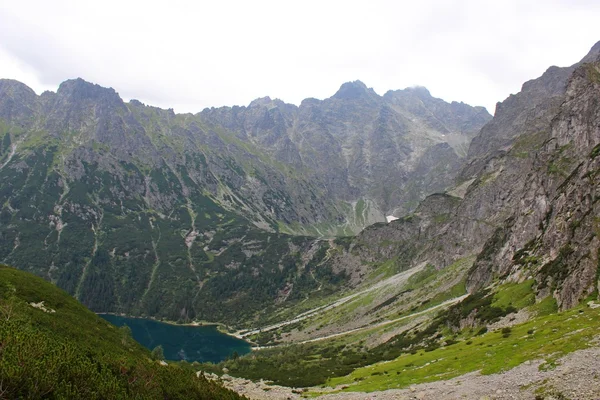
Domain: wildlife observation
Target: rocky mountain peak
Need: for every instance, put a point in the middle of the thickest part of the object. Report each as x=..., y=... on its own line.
x=268, y=102
x=261, y=102
x=420, y=91
x=593, y=55
x=354, y=90
x=414, y=96
x=537, y=102
x=79, y=90
x=410, y=92
x=136, y=102
x=15, y=89
x=16, y=100
x=311, y=101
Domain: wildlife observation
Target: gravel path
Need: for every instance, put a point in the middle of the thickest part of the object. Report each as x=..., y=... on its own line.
x=576, y=377
x=394, y=280
x=384, y=323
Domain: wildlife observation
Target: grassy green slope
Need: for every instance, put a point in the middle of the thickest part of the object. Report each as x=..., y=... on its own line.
x=546, y=337
x=64, y=351
x=480, y=333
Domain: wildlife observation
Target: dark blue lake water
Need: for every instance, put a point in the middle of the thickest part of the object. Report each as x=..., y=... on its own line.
x=182, y=342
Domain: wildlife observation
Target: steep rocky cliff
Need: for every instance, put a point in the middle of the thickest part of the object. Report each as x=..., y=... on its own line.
x=525, y=204
x=386, y=153
x=552, y=234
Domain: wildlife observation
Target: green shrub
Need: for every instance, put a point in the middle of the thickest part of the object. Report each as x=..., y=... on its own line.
x=72, y=353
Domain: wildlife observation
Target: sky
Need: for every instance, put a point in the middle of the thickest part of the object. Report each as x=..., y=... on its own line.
x=188, y=55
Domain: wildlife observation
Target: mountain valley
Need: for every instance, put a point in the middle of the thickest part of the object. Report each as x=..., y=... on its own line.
x=271, y=220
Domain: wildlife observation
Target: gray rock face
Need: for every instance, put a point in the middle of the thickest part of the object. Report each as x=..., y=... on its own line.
x=550, y=233
x=17, y=102
x=355, y=157
x=391, y=150
x=526, y=204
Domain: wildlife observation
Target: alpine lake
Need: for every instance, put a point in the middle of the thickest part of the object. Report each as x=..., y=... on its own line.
x=182, y=342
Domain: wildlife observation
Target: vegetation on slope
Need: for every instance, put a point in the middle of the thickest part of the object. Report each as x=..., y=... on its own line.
x=548, y=337
x=117, y=252
x=52, y=347
x=460, y=339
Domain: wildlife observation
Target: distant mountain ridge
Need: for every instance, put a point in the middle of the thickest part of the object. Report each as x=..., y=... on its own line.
x=136, y=209
x=356, y=144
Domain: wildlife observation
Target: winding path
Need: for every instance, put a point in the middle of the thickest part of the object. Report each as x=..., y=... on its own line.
x=393, y=280
x=368, y=327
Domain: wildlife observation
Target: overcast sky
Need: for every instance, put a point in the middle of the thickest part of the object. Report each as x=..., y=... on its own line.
x=189, y=55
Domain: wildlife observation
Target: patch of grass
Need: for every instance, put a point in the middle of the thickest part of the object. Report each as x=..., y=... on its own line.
x=553, y=336
x=526, y=145
x=385, y=270
x=455, y=291
x=545, y=307
x=441, y=218
x=517, y=295
x=426, y=275
x=593, y=74
x=478, y=306
x=595, y=151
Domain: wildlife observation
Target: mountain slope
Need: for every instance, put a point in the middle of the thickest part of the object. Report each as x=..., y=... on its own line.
x=391, y=150
x=501, y=270
x=53, y=347
x=139, y=210
x=525, y=211
x=559, y=245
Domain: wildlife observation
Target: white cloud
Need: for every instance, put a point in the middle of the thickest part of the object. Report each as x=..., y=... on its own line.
x=191, y=55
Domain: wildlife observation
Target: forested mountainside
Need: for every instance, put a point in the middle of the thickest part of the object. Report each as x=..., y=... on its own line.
x=135, y=209
x=55, y=348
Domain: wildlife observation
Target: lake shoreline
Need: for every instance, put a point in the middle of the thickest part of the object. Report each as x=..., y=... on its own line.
x=202, y=342
x=221, y=327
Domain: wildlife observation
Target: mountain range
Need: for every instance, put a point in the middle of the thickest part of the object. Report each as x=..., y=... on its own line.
x=140, y=210
x=271, y=219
